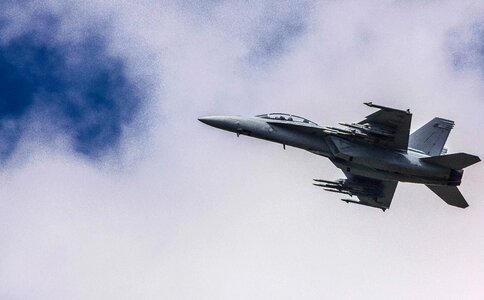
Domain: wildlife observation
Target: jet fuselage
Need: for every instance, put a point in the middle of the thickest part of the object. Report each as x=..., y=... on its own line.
x=351, y=157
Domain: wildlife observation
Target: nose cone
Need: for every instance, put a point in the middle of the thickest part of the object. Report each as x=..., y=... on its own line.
x=222, y=122
x=210, y=120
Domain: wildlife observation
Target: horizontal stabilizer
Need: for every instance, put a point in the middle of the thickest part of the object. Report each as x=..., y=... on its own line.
x=450, y=194
x=454, y=161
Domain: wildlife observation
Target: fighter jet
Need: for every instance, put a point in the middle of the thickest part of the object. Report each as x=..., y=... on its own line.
x=374, y=154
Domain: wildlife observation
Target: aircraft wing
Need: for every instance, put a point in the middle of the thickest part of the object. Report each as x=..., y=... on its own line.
x=390, y=126
x=381, y=194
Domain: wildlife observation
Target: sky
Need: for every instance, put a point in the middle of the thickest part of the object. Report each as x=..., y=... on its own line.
x=110, y=188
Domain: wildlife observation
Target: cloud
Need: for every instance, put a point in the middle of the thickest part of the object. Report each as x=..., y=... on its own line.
x=277, y=29
x=466, y=44
x=73, y=87
x=205, y=214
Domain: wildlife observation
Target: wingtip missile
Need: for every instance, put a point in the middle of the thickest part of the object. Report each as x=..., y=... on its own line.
x=371, y=104
x=325, y=181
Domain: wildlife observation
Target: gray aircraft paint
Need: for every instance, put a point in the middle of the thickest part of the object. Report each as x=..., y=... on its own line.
x=375, y=154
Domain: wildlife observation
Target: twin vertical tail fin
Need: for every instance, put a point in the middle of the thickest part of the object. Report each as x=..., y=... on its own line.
x=431, y=137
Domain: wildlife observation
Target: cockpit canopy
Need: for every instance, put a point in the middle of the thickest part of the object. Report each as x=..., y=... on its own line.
x=286, y=117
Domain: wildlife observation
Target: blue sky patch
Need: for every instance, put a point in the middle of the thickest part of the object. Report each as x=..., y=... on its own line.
x=75, y=86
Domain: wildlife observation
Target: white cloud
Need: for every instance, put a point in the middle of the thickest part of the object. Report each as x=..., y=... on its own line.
x=201, y=214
